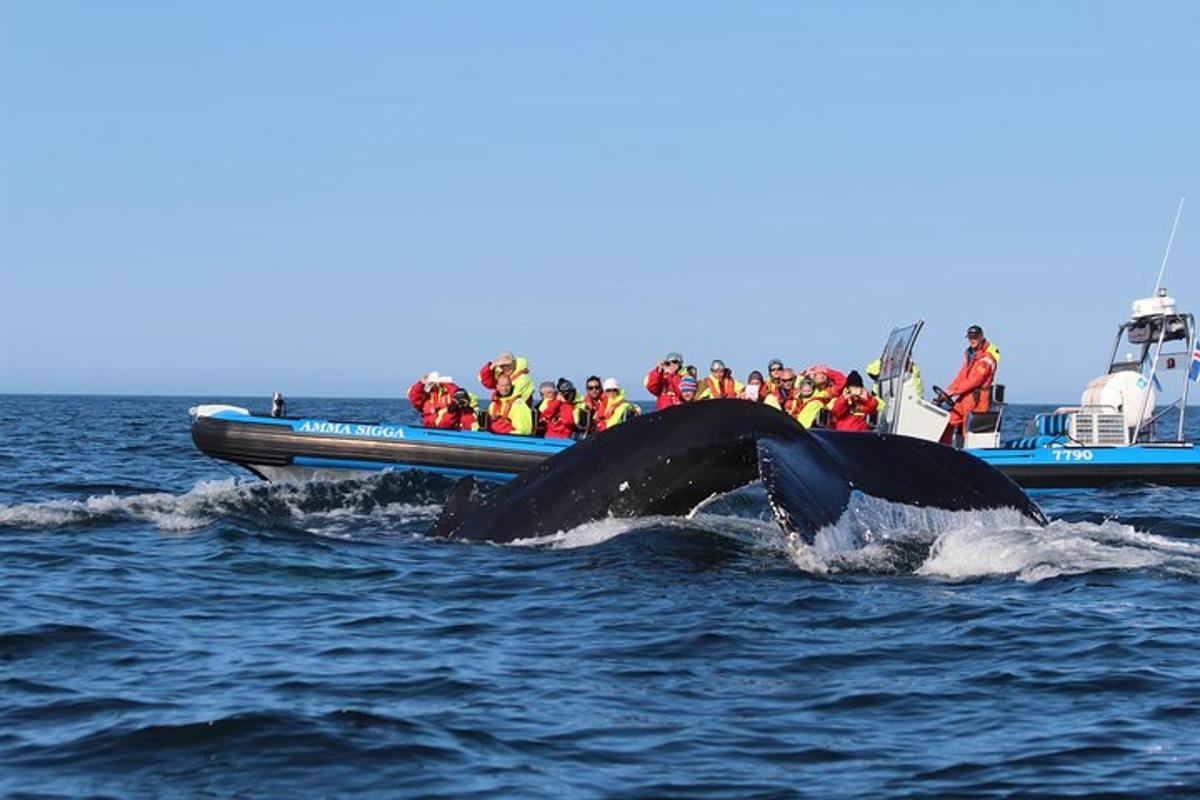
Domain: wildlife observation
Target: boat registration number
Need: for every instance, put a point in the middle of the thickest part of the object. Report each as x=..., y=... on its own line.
x=1072, y=455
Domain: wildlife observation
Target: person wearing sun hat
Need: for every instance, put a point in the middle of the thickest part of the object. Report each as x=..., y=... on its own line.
x=430, y=395
x=662, y=380
x=515, y=367
x=616, y=408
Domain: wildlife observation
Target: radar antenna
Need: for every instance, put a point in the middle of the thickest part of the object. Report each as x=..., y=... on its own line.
x=1170, y=241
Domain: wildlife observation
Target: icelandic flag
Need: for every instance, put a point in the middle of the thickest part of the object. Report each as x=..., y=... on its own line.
x=1194, y=369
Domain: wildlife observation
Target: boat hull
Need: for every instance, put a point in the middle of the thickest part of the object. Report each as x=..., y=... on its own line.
x=303, y=449
x=1095, y=467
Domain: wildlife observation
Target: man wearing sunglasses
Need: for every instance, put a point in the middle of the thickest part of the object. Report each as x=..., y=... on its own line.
x=663, y=381
x=590, y=404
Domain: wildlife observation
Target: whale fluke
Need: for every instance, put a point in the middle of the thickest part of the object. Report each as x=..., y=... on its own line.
x=669, y=462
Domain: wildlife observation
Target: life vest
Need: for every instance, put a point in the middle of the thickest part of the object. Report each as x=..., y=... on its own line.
x=718, y=389
x=614, y=412
x=805, y=410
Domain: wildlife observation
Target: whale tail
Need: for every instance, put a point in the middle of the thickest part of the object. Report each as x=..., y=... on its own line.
x=668, y=462
x=809, y=481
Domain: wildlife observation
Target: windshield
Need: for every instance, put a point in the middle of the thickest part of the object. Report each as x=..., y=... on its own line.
x=896, y=352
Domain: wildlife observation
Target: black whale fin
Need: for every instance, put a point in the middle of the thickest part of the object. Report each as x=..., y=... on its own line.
x=809, y=481
x=459, y=505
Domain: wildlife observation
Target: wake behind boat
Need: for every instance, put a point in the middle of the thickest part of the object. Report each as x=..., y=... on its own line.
x=297, y=449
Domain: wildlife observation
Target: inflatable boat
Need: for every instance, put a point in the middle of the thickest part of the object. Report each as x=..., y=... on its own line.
x=1119, y=432
x=297, y=449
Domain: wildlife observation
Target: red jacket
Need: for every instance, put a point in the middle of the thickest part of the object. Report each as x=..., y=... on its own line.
x=848, y=416
x=456, y=419
x=664, y=386
x=559, y=419
x=837, y=380
x=428, y=404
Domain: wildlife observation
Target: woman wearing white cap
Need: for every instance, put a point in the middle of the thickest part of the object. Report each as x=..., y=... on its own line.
x=615, y=409
x=431, y=395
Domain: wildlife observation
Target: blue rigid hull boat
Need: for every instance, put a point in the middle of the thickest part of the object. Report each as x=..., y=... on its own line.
x=302, y=449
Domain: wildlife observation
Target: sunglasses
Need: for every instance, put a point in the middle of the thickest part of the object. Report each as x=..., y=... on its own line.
x=595, y=388
x=612, y=391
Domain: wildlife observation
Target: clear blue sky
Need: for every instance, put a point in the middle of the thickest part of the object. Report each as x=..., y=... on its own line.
x=332, y=198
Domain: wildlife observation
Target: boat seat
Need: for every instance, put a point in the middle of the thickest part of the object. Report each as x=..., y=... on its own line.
x=983, y=421
x=1030, y=442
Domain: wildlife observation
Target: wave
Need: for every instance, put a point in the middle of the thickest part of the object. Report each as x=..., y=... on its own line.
x=878, y=537
x=881, y=537
x=331, y=507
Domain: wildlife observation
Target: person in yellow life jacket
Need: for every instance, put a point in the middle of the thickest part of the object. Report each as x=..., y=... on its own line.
x=913, y=374
x=719, y=385
x=517, y=369
x=508, y=412
x=806, y=404
x=616, y=408
x=461, y=415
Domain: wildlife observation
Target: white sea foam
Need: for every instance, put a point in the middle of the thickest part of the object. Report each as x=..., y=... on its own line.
x=877, y=536
x=319, y=506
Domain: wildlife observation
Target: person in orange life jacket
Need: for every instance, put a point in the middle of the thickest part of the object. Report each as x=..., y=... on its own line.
x=430, y=395
x=805, y=404
x=780, y=389
x=663, y=380
x=547, y=394
x=829, y=382
x=687, y=389
x=852, y=409
x=971, y=389
x=591, y=404
x=515, y=367
x=755, y=388
x=556, y=415
x=509, y=413
x=719, y=385
x=616, y=408
x=461, y=414
x=774, y=370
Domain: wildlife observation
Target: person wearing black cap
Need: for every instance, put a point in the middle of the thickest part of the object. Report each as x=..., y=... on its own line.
x=853, y=408
x=971, y=389
x=461, y=414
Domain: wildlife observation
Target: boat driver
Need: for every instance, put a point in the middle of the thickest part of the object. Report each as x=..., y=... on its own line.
x=971, y=389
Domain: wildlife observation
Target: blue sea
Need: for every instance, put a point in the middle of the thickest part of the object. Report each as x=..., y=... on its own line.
x=173, y=627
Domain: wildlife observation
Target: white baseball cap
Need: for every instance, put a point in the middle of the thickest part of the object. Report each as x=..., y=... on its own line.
x=611, y=383
x=437, y=377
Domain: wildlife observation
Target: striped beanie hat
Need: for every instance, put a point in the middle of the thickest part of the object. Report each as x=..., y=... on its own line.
x=687, y=384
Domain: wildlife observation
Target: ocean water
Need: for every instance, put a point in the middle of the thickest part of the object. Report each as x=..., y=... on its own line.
x=173, y=627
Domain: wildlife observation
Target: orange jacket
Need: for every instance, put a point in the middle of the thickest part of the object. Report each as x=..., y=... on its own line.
x=978, y=372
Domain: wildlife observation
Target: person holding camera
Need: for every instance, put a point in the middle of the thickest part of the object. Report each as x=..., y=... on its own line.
x=461, y=415
x=517, y=370
x=556, y=414
x=855, y=407
x=663, y=381
x=431, y=395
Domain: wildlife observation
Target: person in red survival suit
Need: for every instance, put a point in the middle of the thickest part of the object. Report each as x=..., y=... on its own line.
x=559, y=413
x=971, y=389
x=430, y=395
x=853, y=408
x=460, y=415
x=663, y=381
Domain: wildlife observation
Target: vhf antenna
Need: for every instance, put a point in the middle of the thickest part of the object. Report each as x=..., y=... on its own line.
x=1170, y=241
